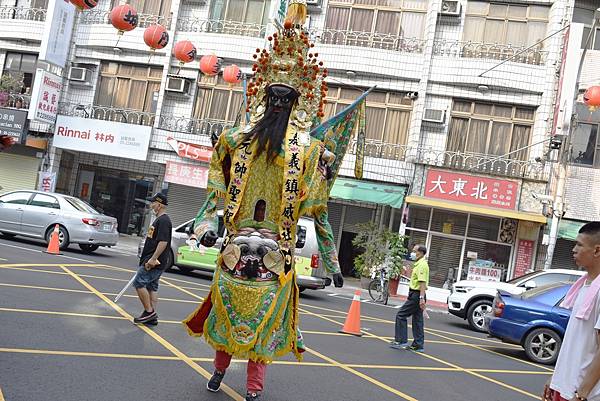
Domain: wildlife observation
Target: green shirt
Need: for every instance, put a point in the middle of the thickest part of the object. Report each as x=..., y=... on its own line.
x=420, y=272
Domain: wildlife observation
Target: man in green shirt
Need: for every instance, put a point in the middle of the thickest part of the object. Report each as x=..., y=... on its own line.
x=414, y=305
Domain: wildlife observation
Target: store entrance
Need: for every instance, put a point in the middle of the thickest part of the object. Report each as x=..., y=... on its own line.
x=120, y=194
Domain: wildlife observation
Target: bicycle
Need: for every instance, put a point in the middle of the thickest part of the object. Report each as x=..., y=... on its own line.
x=379, y=286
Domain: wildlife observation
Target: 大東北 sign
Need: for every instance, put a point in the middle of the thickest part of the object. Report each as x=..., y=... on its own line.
x=483, y=270
x=186, y=174
x=13, y=124
x=57, y=32
x=102, y=137
x=190, y=150
x=476, y=190
x=44, y=99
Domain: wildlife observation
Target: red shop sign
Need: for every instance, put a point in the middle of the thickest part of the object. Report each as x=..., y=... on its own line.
x=465, y=188
x=190, y=150
x=524, y=257
x=186, y=174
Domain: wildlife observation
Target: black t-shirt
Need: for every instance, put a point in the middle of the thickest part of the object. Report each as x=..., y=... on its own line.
x=159, y=230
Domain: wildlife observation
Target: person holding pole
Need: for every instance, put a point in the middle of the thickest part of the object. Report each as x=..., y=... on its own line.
x=154, y=260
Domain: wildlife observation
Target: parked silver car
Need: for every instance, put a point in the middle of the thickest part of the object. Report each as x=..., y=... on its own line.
x=35, y=214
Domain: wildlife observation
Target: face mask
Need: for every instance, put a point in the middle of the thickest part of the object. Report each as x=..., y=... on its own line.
x=413, y=256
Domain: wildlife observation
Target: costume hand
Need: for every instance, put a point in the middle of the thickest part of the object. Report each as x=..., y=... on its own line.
x=338, y=280
x=209, y=238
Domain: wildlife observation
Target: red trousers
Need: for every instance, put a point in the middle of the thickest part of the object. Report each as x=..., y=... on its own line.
x=255, y=373
x=557, y=397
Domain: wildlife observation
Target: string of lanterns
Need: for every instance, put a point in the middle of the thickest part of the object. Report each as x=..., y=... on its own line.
x=125, y=18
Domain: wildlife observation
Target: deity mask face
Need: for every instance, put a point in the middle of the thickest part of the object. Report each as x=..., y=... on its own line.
x=281, y=98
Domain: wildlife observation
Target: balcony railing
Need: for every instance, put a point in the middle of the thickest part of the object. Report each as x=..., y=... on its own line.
x=15, y=101
x=103, y=17
x=204, y=127
x=367, y=39
x=494, y=51
x=119, y=115
x=22, y=13
x=221, y=26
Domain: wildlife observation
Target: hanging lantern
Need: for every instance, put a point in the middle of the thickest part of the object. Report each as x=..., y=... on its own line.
x=124, y=18
x=210, y=65
x=156, y=37
x=591, y=97
x=84, y=4
x=184, y=51
x=232, y=74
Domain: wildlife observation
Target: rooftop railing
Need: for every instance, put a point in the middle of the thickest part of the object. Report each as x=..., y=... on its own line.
x=103, y=17
x=23, y=13
x=222, y=27
x=115, y=114
x=367, y=39
x=494, y=51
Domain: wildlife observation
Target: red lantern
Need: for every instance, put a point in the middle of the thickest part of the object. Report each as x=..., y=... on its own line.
x=591, y=97
x=232, y=74
x=124, y=18
x=156, y=36
x=184, y=51
x=84, y=4
x=210, y=65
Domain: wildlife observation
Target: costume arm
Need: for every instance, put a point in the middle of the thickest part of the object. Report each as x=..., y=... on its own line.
x=326, y=243
x=207, y=218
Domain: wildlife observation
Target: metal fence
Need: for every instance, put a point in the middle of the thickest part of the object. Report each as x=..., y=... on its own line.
x=22, y=13
x=494, y=51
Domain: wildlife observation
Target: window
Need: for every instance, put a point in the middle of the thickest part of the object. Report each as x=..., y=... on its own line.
x=39, y=4
x=16, y=198
x=544, y=279
x=518, y=25
x=21, y=66
x=245, y=11
x=585, y=145
x=586, y=16
x=388, y=113
x=404, y=18
x=218, y=100
x=128, y=86
x=42, y=200
x=490, y=129
x=80, y=205
x=148, y=7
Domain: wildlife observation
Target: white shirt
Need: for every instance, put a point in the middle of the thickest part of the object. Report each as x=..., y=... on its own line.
x=578, y=349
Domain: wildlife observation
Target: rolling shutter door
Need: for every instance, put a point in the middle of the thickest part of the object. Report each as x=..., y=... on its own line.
x=563, y=255
x=18, y=172
x=184, y=202
x=356, y=215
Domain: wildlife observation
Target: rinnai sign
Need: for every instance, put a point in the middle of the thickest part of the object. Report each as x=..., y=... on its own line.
x=44, y=100
x=102, y=137
x=190, y=150
x=186, y=174
x=476, y=190
x=57, y=32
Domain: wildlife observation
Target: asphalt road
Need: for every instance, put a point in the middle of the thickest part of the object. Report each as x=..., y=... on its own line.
x=62, y=338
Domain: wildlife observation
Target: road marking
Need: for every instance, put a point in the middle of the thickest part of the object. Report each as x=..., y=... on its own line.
x=88, y=354
x=38, y=251
x=226, y=389
x=1, y=395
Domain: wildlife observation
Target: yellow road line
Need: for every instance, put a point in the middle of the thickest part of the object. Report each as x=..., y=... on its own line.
x=1, y=395
x=49, y=264
x=88, y=354
x=228, y=390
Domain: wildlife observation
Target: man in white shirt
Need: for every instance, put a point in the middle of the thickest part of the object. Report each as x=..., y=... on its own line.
x=577, y=373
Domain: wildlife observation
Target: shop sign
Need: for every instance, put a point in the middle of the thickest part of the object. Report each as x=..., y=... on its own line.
x=476, y=190
x=57, y=32
x=186, y=174
x=190, y=150
x=102, y=137
x=13, y=124
x=524, y=257
x=44, y=99
x=47, y=181
x=483, y=270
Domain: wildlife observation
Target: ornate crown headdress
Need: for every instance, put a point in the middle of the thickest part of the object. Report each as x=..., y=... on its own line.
x=291, y=62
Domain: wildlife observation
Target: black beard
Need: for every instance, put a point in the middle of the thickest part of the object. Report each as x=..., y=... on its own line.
x=270, y=132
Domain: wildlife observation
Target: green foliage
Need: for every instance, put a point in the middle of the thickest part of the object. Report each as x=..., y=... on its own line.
x=11, y=83
x=378, y=246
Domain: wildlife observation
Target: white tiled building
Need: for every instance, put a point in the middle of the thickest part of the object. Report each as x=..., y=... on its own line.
x=460, y=84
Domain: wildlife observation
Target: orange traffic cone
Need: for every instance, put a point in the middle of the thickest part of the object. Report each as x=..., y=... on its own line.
x=54, y=244
x=352, y=324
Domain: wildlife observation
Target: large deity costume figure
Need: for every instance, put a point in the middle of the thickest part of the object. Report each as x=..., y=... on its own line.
x=268, y=173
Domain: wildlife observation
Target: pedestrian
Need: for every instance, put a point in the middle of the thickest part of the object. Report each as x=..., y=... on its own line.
x=154, y=260
x=415, y=304
x=577, y=372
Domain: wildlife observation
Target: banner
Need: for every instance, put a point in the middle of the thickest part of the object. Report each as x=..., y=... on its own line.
x=13, y=123
x=44, y=99
x=361, y=137
x=46, y=181
x=186, y=174
x=56, y=39
x=190, y=150
x=483, y=270
x=102, y=137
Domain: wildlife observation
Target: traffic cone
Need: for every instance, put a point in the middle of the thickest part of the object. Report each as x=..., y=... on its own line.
x=352, y=324
x=54, y=244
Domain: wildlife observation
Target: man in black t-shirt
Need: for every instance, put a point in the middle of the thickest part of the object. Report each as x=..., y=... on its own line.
x=154, y=260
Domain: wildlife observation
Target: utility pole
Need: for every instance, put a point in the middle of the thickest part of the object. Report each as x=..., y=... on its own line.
x=558, y=206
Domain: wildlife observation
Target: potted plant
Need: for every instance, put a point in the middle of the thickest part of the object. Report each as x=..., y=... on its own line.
x=396, y=255
x=9, y=84
x=372, y=242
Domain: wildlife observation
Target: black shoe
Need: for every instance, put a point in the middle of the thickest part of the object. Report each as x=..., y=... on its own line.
x=252, y=396
x=215, y=381
x=145, y=317
x=152, y=322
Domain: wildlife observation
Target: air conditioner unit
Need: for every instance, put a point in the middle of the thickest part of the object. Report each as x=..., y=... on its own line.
x=434, y=116
x=313, y=2
x=450, y=8
x=178, y=84
x=78, y=74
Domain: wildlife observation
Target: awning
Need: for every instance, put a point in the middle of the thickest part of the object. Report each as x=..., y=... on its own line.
x=466, y=208
x=568, y=229
x=368, y=191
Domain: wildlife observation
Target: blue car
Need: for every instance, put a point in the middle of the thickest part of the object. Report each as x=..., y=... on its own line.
x=533, y=319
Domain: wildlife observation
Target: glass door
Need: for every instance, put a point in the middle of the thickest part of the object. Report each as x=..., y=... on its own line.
x=444, y=260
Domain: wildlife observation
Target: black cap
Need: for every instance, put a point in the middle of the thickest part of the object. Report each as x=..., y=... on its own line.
x=160, y=198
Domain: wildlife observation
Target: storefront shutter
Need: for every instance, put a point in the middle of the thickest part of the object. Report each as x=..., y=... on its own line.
x=563, y=255
x=184, y=202
x=356, y=215
x=18, y=172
